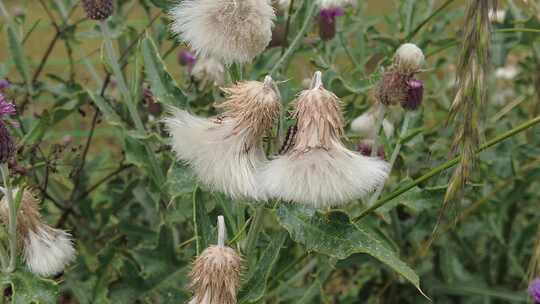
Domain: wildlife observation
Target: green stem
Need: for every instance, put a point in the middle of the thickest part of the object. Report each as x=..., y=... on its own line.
x=296, y=42
x=512, y=30
x=3, y=258
x=254, y=230
x=448, y=164
x=395, y=153
x=379, y=119
x=12, y=229
x=117, y=72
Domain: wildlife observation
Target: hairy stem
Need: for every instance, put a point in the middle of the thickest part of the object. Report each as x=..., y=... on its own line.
x=395, y=153
x=526, y=125
x=12, y=224
x=255, y=229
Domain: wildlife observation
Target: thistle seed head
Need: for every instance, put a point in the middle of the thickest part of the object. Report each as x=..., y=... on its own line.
x=98, y=9
x=408, y=58
x=215, y=277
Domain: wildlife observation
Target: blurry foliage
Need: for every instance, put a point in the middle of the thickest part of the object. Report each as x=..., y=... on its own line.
x=137, y=235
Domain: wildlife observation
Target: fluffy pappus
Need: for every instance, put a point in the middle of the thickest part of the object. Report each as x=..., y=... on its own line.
x=229, y=30
x=226, y=152
x=318, y=170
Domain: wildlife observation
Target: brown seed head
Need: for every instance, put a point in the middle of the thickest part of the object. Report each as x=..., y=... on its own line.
x=28, y=216
x=254, y=105
x=215, y=277
x=98, y=9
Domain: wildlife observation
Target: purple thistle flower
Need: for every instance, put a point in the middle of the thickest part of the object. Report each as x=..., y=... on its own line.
x=415, y=93
x=4, y=84
x=187, y=58
x=534, y=290
x=6, y=108
x=327, y=22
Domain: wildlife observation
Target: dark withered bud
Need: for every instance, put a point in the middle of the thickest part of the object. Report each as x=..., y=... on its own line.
x=327, y=22
x=98, y=9
x=7, y=146
x=278, y=37
x=153, y=106
x=366, y=146
x=392, y=88
x=415, y=93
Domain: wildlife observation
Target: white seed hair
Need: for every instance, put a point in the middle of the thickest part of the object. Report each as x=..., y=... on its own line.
x=329, y=4
x=47, y=251
x=408, y=58
x=208, y=71
x=323, y=178
x=229, y=30
x=212, y=151
x=365, y=124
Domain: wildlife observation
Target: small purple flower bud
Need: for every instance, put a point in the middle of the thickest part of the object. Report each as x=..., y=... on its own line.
x=98, y=9
x=365, y=147
x=7, y=146
x=6, y=108
x=415, y=93
x=186, y=58
x=4, y=84
x=534, y=290
x=327, y=22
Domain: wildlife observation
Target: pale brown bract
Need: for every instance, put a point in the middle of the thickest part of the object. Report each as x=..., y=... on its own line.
x=215, y=276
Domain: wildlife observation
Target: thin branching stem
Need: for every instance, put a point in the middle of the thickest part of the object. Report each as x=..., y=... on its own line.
x=526, y=125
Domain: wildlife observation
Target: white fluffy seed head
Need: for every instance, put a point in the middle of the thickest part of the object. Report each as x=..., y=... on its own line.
x=329, y=4
x=208, y=71
x=365, y=124
x=47, y=251
x=226, y=152
x=317, y=169
x=408, y=58
x=229, y=30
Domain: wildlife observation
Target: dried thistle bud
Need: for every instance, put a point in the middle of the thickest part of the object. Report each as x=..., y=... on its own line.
x=415, y=94
x=47, y=251
x=215, y=277
x=98, y=9
x=392, y=89
x=152, y=105
x=226, y=152
x=278, y=37
x=327, y=22
x=408, y=58
x=317, y=169
x=228, y=30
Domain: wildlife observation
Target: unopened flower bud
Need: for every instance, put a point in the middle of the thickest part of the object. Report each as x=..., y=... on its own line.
x=415, y=93
x=534, y=290
x=187, y=58
x=408, y=58
x=4, y=84
x=98, y=9
x=327, y=22
x=278, y=37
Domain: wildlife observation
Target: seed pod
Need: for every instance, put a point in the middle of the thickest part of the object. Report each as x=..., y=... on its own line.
x=98, y=9
x=392, y=89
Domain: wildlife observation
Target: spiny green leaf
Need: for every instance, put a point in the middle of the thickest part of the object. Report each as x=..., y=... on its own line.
x=28, y=288
x=335, y=235
x=163, y=85
x=255, y=288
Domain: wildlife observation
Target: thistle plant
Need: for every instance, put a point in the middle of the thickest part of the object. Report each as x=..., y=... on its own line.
x=267, y=151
